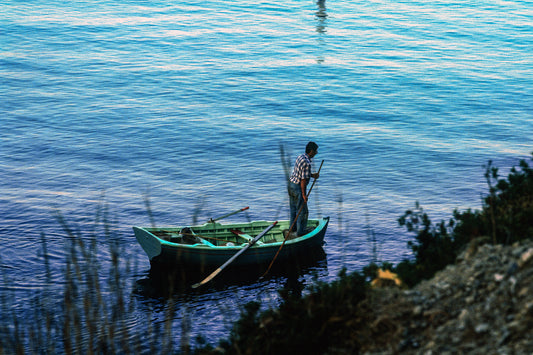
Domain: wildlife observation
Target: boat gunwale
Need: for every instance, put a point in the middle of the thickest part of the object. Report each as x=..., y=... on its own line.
x=201, y=247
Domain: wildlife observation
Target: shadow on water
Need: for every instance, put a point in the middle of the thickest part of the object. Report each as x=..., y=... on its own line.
x=166, y=280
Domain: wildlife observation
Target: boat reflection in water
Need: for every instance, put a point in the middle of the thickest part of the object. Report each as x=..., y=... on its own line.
x=165, y=280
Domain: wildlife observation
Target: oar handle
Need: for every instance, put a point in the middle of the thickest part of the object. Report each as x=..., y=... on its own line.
x=213, y=220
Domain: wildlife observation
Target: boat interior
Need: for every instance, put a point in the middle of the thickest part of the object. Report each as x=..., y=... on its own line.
x=217, y=235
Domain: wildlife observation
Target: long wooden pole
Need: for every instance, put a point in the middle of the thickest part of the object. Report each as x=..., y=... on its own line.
x=227, y=215
x=292, y=225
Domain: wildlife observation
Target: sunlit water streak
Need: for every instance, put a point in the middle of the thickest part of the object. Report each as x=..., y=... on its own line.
x=104, y=102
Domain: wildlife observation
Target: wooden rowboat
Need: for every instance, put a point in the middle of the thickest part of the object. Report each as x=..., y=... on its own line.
x=208, y=246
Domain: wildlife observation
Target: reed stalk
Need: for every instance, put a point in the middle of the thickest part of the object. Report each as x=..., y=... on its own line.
x=92, y=312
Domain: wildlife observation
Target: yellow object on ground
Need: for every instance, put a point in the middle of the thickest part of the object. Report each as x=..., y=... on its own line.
x=384, y=277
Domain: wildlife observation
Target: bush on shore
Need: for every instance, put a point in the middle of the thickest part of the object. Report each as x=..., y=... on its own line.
x=506, y=217
x=330, y=313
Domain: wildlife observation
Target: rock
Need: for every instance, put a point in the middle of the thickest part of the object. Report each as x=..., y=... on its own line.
x=498, y=277
x=526, y=257
x=512, y=269
x=504, y=336
x=482, y=305
x=417, y=310
x=482, y=328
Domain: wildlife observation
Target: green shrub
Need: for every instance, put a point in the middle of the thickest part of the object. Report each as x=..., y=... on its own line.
x=506, y=216
x=434, y=246
x=510, y=204
x=303, y=325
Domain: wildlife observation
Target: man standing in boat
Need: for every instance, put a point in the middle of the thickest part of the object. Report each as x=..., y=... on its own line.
x=301, y=174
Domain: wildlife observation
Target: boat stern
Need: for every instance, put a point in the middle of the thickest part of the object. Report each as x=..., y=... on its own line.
x=149, y=242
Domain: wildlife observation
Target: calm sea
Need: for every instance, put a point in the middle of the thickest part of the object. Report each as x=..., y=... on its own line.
x=189, y=105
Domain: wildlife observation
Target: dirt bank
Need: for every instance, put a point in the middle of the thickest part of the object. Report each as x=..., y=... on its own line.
x=483, y=304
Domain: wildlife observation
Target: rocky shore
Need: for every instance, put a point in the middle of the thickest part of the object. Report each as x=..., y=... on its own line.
x=482, y=304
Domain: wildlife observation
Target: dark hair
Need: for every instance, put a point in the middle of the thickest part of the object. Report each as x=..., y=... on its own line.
x=311, y=146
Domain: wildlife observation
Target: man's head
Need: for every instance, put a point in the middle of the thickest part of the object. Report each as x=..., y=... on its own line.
x=311, y=149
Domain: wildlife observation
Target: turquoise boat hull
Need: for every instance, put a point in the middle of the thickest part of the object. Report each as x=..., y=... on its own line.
x=216, y=243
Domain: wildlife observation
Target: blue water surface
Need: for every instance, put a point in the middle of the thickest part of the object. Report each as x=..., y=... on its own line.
x=189, y=105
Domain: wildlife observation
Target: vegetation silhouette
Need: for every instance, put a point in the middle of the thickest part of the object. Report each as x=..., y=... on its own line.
x=329, y=317
x=92, y=314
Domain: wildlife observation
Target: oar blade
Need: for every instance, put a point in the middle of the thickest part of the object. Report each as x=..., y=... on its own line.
x=207, y=279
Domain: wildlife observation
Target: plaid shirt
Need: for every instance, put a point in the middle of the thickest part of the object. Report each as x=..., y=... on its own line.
x=302, y=169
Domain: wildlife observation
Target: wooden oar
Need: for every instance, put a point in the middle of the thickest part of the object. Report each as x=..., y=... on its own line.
x=227, y=215
x=291, y=227
x=230, y=260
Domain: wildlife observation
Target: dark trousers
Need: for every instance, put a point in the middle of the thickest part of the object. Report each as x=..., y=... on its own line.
x=296, y=202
